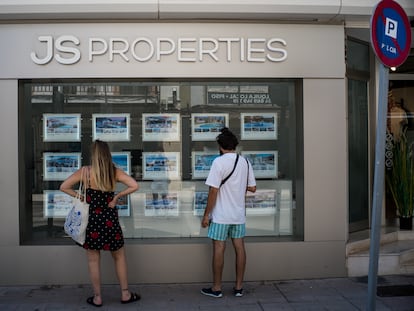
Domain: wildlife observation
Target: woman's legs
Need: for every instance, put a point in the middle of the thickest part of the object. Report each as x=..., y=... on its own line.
x=121, y=272
x=94, y=264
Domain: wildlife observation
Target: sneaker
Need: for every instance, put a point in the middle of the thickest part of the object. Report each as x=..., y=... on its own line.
x=238, y=292
x=212, y=293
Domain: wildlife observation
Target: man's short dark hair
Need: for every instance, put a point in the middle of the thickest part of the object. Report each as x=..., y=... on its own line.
x=227, y=140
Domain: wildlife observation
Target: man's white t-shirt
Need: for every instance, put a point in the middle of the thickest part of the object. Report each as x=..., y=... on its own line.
x=230, y=204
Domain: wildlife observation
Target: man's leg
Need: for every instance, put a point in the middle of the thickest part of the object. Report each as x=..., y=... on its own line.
x=240, y=261
x=218, y=263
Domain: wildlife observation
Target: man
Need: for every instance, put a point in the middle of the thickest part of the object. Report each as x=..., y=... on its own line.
x=229, y=178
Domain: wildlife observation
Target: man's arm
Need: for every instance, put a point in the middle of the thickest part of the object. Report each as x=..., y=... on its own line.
x=251, y=189
x=211, y=202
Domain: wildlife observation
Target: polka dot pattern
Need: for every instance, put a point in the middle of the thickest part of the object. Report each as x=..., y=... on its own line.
x=103, y=231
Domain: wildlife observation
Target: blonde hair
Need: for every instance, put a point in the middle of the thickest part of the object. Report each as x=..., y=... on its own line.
x=103, y=169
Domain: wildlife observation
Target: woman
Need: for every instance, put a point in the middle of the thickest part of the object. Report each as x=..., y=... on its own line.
x=103, y=231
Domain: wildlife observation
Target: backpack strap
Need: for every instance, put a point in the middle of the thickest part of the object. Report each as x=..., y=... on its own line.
x=248, y=172
x=231, y=173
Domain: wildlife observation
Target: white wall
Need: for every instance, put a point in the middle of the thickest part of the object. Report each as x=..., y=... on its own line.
x=325, y=154
x=9, y=173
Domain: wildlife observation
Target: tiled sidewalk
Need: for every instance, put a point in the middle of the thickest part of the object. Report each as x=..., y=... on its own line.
x=345, y=294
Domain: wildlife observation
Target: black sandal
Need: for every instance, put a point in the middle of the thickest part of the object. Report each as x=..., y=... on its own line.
x=134, y=297
x=91, y=302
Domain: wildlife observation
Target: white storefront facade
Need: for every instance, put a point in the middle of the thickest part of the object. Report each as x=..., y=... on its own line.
x=156, y=80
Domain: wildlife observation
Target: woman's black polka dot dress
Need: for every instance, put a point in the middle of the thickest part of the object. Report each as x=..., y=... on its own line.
x=103, y=231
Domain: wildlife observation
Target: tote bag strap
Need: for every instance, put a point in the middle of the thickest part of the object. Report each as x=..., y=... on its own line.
x=87, y=184
x=82, y=186
x=248, y=172
x=79, y=192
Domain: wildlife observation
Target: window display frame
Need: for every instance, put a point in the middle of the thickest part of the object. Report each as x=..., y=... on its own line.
x=47, y=156
x=152, y=209
x=124, y=206
x=166, y=172
x=109, y=134
x=200, y=202
x=198, y=134
x=271, y=172
x=63, y=136
x=257, y=132
x=122, y=160
x=56, y=208
x=257, y=198
x=165, y=134
x=202, y=173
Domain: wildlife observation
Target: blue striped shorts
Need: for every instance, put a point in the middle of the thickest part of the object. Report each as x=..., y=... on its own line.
x=221, y=232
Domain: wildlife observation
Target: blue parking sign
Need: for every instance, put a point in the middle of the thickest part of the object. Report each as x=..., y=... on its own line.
x=390, y=33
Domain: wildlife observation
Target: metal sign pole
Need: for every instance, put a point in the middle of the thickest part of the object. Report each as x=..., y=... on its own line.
x=378, y=191
x=391, y=41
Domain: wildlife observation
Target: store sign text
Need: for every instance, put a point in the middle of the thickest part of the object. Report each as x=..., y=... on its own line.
x=67, y=49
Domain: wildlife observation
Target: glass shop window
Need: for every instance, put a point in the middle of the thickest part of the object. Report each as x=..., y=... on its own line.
x=163, y=134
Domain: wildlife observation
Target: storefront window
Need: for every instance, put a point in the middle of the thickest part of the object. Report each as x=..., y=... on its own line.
x=162, y=134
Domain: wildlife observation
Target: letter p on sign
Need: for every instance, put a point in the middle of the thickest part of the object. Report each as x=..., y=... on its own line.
x=391, y=27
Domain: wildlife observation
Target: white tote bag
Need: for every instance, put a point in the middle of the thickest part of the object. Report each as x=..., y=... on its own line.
x=77, y=218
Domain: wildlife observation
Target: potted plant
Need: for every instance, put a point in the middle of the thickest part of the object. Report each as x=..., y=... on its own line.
x=400, y=180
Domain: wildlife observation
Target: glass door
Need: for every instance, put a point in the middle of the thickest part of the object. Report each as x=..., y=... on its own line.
x=358, y=154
